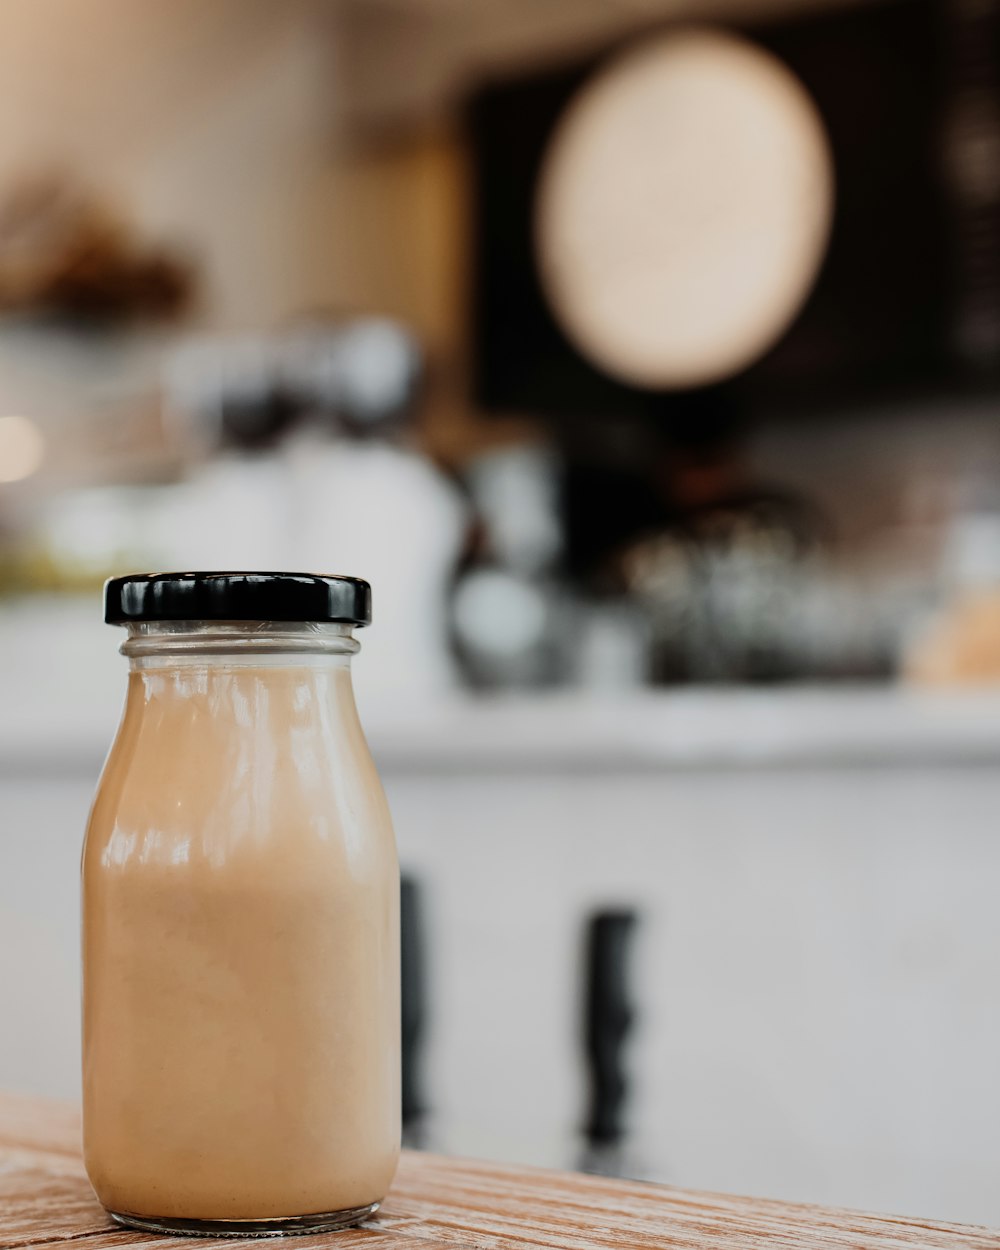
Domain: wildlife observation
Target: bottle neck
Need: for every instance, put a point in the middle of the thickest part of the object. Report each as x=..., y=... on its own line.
x=164, y=644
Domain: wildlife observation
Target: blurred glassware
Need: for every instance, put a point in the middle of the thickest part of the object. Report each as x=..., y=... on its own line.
x=721, y=588
x=516, y=493
x=612, y=649
x=511, y=614
x=357, y=375
x=365, y=374
x=507, y=628
x=752, y=591
x=220, y=393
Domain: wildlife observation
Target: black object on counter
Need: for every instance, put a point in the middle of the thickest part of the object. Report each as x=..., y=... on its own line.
x=413, y=1008
x=608, y=1018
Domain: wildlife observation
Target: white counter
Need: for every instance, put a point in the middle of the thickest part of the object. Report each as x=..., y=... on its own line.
x=53, y=729
x=692, y=728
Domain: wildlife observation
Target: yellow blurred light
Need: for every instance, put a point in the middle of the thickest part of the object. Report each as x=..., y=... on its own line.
x=22, y=448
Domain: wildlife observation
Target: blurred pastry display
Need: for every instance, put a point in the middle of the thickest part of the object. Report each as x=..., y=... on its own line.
x=961, y=647
x=959, y=644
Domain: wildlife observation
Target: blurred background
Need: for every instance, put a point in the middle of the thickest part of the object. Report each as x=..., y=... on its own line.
x=650, y=371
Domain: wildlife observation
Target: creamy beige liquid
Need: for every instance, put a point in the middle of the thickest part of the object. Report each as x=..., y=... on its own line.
x=241, y=948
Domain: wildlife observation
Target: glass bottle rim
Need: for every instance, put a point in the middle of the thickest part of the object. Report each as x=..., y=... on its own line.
x=238, y=639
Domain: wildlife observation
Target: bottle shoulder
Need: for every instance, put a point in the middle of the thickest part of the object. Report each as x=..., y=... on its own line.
x=255, y=773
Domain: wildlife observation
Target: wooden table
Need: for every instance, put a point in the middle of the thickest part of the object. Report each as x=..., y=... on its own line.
x=450, y=1204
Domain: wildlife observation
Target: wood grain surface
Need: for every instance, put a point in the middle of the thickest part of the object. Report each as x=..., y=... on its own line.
x=452, y=1204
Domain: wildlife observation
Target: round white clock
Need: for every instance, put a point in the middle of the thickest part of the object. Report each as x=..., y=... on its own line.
x=683, y=209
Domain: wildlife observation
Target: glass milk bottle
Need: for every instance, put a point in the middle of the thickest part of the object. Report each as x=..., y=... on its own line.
x=240, y=916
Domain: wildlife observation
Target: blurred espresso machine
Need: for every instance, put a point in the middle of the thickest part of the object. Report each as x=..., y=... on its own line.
x=303, y=455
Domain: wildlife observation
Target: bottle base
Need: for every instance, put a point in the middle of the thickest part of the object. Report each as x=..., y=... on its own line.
x=284, y=1226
